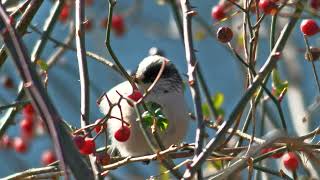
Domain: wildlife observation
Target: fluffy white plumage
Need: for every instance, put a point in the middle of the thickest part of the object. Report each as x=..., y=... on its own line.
x=168, y=93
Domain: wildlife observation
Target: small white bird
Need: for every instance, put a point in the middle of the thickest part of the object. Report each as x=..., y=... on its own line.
x=168, y=93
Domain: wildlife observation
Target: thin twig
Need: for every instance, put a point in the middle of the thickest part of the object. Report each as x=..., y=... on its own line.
x=236, y=132
x=47, y=29
x=310, y=58
x=32, y=172
x=240, y=163
x=88, y=53
x=19, y=103
x=112, y=3
x=207, y=94
x=61, y=50
x=156, y=156
x=84, y=76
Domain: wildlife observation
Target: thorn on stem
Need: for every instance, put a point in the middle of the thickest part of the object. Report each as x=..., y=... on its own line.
x=100, y=98
x=191, y=82
x=192, y=13
x=27, y=84
x=79, y=33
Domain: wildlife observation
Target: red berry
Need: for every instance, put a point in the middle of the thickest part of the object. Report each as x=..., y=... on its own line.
x=48, y=157
x=224, y=34
x=64, y=14
x=26, y=126
x=103, y=158
x=290, y=161
x=122, y=134
x=6, y=141
x=88, y=147
x=268, y=6
x=28, y=111
x=19, y=145
x=117, y=24
x=315, y=4
x=99, y=127
x=309, y=27
x=135, y=96
x=78, y=141
x=217, y=12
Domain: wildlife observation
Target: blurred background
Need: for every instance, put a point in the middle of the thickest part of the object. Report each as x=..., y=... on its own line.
x=151, y=24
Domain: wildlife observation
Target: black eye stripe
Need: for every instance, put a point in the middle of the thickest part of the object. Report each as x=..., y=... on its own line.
x=152, y=71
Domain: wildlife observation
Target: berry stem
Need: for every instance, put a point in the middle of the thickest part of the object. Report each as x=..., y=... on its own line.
x=312, y=62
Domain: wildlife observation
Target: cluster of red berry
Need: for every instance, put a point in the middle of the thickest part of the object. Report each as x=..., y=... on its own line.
x=87, y=145
x=28, y=126
x=117, y=24
x=219, y=11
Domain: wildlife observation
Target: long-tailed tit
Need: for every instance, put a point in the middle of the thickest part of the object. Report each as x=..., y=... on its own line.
x=168, y=93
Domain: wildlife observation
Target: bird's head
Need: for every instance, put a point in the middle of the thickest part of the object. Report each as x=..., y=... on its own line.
x=150, y=67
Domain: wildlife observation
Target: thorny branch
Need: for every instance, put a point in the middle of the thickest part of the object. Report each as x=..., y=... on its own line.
x=187, y=13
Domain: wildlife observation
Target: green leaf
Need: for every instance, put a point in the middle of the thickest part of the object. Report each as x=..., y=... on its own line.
x=205, y=109
x=43, y=65
x=218, y=100
x=147, y=119
x=163, y=174
x=217, y=164
x=277, y=84
x=162, y=122
x=155, y=111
